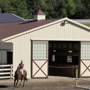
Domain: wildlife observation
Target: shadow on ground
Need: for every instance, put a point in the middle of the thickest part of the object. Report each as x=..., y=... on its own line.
x=3, y=86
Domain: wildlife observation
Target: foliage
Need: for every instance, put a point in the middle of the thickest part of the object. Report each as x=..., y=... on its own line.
x=52, y=8
x=87, y=24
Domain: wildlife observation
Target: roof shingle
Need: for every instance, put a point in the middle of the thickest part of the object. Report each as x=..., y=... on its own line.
x=7, y=18
x=10, y=29
x=39, y=12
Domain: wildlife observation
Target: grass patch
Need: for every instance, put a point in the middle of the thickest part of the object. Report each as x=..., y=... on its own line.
x=87, y=24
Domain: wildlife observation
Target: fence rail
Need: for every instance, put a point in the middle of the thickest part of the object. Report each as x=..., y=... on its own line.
x=6, y=71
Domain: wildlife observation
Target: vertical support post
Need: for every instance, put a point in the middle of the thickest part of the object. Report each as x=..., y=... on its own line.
x=76, y=77
x=11, y=71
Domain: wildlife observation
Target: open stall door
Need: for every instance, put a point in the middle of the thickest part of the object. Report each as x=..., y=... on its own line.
x=39, y=59
x=64, y=58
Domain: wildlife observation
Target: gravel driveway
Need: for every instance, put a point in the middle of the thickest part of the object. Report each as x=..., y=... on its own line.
x=52, y=83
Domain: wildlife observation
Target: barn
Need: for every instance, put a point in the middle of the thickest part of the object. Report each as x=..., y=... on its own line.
x=48, y=46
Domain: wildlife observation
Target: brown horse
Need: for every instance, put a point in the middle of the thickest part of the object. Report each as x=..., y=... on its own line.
x=18, y=76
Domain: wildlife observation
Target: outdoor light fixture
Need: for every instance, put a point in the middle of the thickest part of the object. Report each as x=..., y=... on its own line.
x=63, y=22
x=70, y=51
x=54, y=50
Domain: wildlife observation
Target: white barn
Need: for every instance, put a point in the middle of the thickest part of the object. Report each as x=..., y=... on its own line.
x=47, y=46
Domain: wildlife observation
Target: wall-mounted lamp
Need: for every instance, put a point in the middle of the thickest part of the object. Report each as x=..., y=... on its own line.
x=63, y=23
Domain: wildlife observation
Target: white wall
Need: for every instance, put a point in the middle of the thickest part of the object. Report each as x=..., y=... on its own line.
x=22, y=44
x=3, y=57
x=39, y=17
x=4, y=47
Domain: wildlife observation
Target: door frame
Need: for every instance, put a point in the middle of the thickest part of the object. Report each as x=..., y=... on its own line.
x=32, y=60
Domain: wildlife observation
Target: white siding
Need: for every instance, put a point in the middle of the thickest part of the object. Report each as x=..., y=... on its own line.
x=22, y=51
x=3, y=59
x=39, y=17
x=57, y=32
x=6, y=46
x=22, y=44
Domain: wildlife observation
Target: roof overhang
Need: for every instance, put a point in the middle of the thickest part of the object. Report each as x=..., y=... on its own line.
x=60, y=20
x=1, y=41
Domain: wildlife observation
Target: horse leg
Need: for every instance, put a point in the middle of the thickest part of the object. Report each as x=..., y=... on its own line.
x=17, y=82
x=14, y=82
x=23, y=81
x=20, y=82
x=24, y=77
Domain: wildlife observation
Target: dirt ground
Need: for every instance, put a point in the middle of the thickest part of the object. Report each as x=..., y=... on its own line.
x=52, y=83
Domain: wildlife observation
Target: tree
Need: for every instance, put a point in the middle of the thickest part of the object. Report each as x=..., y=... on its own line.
x=18, y=7
x=86, y=8
x=60, y=8
x=52, y=8
x=79, y=9
x=33, y=5
x=4, y=6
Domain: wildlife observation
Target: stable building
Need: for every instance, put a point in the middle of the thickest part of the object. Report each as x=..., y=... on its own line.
x=48, y=47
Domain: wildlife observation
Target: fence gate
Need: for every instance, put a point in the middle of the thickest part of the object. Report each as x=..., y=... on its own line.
x=39, y=59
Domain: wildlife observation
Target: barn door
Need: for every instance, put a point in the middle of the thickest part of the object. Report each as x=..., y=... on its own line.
x=85, y=59
x=40, y=59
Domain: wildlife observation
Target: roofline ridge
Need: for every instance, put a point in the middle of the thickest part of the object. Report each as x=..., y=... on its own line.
x=19, y=17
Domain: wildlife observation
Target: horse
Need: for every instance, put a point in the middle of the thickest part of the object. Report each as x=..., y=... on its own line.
x=18, y=76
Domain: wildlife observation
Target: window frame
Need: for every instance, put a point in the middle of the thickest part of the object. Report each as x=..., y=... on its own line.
x=85, y=50
x=38, y=57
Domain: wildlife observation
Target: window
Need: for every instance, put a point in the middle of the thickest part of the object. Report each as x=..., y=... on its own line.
x=40, y=50
x=54, y=45
x=69, y=59
x=69, y=45
x=59, y=45
x=76, y=45
x=64, y=45
x=85, y=50
x=50, y=45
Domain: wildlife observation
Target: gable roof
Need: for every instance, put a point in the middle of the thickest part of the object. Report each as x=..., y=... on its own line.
x=7, y=18
x=39, y=12
x=12, y=30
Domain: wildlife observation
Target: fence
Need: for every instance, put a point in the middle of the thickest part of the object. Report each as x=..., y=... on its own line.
x=63, y=70
x=82, y=79
x=6, y=71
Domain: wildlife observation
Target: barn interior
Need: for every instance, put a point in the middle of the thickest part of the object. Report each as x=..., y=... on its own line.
x=64, y=57
x=9, y=57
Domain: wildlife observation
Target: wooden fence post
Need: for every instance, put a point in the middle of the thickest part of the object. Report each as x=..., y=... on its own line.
x=11, y=71
x=76, y=77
